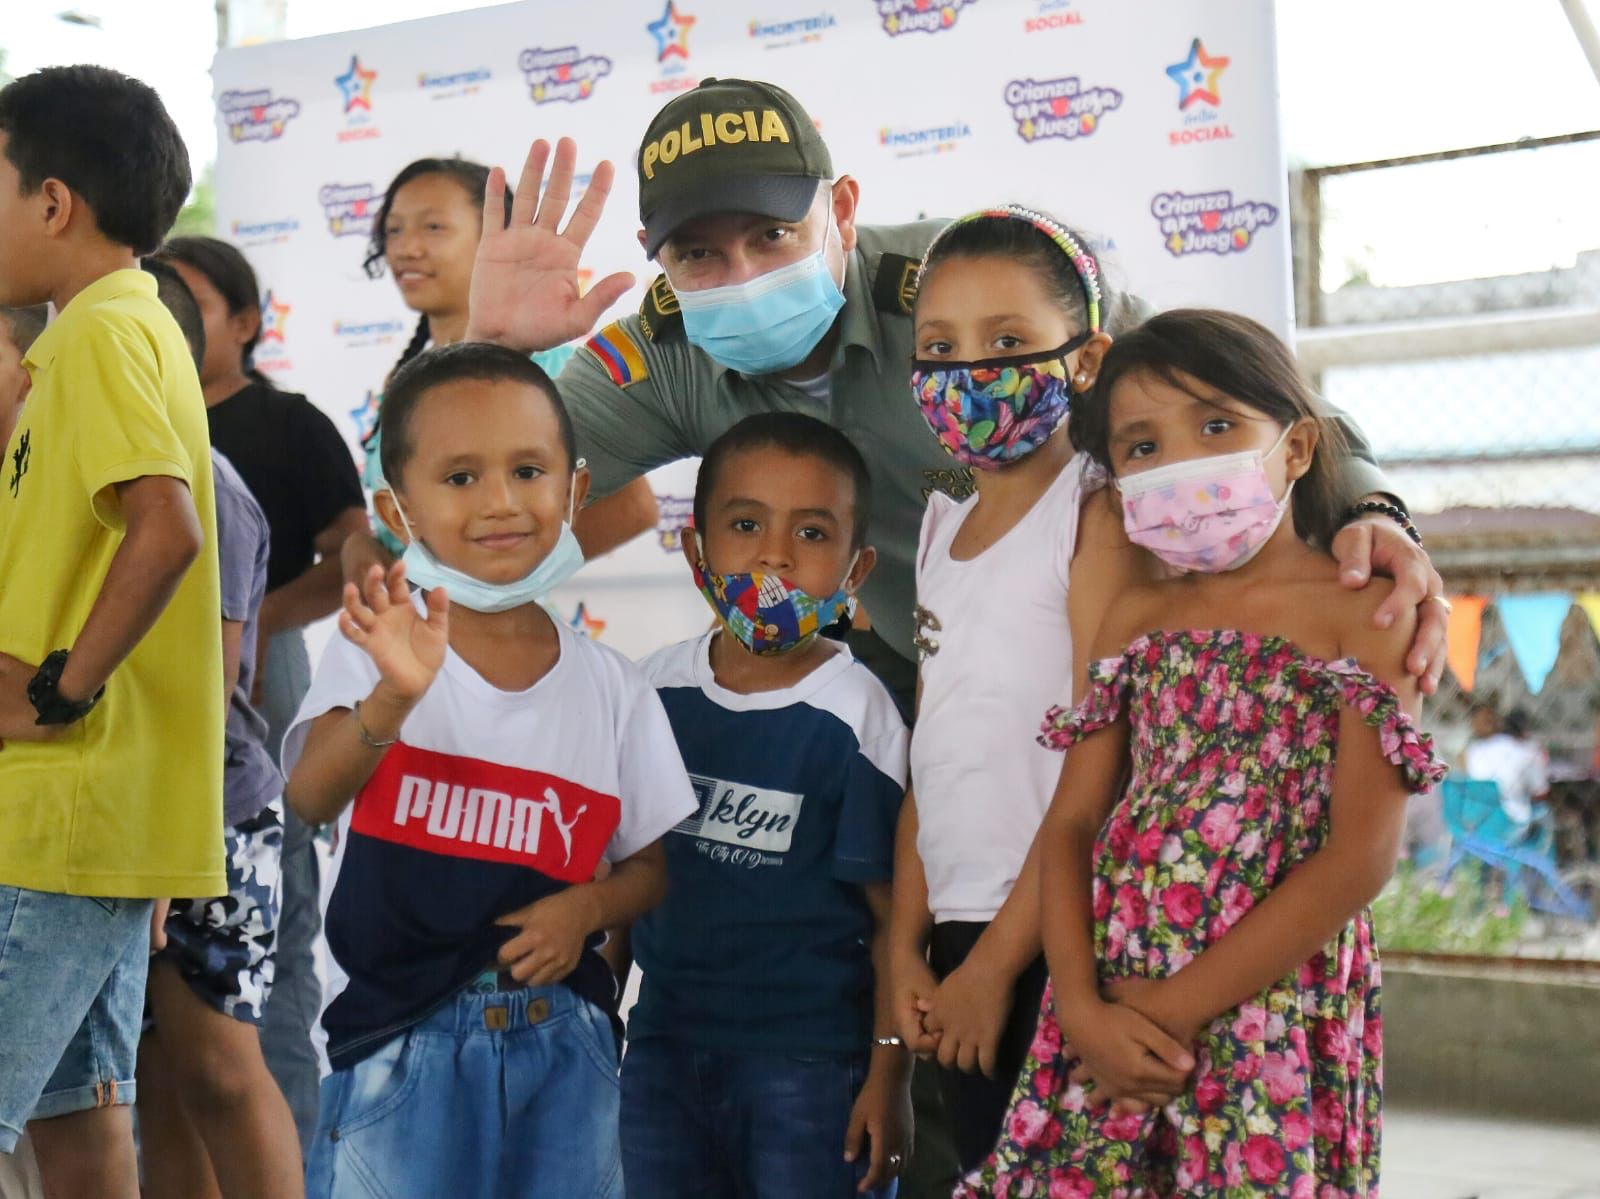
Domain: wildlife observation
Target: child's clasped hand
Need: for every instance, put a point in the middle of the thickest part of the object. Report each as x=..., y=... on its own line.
x=1126, y=1056
x=966, y=1016
x=549, y=939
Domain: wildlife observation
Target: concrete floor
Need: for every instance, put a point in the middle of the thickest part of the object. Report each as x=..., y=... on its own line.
x=1427, y=1155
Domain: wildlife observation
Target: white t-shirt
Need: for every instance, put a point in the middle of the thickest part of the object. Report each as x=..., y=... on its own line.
x=489, y=801
x=1517, y=765
x=996, y=652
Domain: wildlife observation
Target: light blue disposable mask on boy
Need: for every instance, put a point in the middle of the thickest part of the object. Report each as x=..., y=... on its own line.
x=768, y=323
x=560, y=564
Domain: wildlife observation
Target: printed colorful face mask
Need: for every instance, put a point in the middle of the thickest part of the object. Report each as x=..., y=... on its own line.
x=767, y=614
x=1208, y=514
x=996, y=410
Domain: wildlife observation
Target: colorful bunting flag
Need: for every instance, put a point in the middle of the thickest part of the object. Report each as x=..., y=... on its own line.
x=1463, y=636
x=1589, y=601
x=1533, y=627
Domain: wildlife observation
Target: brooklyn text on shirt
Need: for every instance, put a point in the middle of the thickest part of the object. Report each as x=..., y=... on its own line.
x=740, y=824
x=468, y=808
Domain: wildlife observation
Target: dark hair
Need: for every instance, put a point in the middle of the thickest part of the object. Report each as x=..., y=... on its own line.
x=1023, y=243
x=793, y=433
x=464, y=360
x=174, y=293
x=472, y=176
x=1517, y=722
x=108, y=138
x=1244, y=361
x=230, y=272
x=25, y=324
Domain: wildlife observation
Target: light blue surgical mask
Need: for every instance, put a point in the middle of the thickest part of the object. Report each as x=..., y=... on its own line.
x=560, y=564
x=766, y=324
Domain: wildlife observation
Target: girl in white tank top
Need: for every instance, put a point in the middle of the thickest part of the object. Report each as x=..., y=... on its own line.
x=1009, y=324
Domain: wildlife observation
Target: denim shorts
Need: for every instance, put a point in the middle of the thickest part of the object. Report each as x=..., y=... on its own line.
x=719, y=1124
x=503, y=1094
x=72, y=975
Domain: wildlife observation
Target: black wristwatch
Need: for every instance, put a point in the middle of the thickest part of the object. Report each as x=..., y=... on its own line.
x=52, y=706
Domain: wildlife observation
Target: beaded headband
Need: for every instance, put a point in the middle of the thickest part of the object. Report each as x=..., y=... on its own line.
x=1083, y=262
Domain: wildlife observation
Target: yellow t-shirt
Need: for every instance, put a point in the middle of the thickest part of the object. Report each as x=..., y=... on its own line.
x=128, y=801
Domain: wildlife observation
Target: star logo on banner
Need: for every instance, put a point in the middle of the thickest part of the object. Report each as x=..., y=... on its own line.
x=355, y=85
x=273, y=313
x=365, y=414
x=590, y=626
x=1175, y=243
x=1196, y=76
x=671, y=32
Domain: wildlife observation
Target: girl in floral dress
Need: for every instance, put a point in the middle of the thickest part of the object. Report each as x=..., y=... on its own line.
x=1233, y=801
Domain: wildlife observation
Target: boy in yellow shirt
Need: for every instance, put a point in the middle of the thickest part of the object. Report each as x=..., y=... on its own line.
x=111, y=709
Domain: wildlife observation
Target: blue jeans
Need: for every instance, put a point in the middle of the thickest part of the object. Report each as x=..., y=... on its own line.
x=509, y=1095
x=296, y=991
x=72, y=974
x=699, y=1124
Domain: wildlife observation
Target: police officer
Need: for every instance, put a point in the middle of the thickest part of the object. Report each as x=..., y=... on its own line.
x=773, y=298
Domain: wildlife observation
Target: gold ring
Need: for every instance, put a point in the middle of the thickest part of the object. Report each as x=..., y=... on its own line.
x=1442, y=602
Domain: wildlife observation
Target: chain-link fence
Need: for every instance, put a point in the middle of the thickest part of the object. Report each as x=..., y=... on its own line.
x=1450, y=303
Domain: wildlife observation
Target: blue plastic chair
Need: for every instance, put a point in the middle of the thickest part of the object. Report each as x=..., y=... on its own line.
x=1479, y=828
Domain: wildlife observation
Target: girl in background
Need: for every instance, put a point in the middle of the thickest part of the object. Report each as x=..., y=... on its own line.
x=426, y=236
x=290, y=455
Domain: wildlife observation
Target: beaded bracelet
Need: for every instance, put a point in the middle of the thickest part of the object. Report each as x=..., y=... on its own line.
x=1393, y=511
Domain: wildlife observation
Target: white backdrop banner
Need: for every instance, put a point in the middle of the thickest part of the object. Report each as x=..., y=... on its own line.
x=1152, y=126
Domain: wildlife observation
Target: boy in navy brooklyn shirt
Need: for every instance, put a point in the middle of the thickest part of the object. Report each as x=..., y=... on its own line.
x=761, y=1059
x=495, y=760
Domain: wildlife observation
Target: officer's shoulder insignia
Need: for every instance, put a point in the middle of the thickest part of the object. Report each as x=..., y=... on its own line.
x=659, y=314
x=618, y=354
x=894, y=286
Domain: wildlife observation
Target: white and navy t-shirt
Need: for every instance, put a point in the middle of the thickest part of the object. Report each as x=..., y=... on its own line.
x=490, y=800
x=762, y=943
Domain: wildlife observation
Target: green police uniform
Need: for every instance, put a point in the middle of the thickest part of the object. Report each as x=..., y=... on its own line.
x=641, y=396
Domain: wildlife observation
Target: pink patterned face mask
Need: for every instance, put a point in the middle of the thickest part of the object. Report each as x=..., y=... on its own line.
x=1207, y=514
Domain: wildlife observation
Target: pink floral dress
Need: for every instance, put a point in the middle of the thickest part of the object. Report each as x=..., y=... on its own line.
x=1233, y=739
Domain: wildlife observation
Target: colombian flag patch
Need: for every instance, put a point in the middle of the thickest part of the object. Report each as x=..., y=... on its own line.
x=618, y=354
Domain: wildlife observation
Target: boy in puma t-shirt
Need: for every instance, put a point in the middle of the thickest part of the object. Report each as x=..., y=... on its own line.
x=495, y=759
